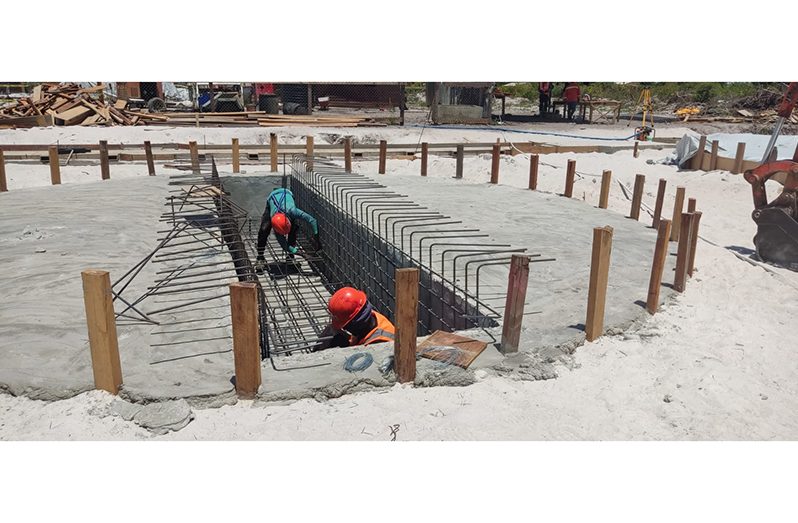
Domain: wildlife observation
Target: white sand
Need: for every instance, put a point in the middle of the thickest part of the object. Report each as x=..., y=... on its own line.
x=717, y=363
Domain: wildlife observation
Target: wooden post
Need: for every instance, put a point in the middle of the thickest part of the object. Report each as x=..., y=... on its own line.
x=458, y=171
x=696, y=162
x=402, y=99
x=660, y=201
x=514, y=305
x=494, y=163
x=195, y=163
x=348, y=154
x=604, y=196
x=683, y=253
x=105, y=169
x=55, y=166
x=599, y=274
x=774, y=155
x=101, y=324
x=636, y=152
x=309, y=150
x=795, y=154
x=150, y=158
x=658, y=266
x=693, y=242
x=236, y=157
x=637, y=196
x=246, y=338
x=404, y=347
x=3, y=181
x=383, y=156
x=691, y=204
x=713, y=158
x=273, y=151
x=677, y=214
x=570, y=174
x=533, y=172
x=424, y=157
x=739, y=158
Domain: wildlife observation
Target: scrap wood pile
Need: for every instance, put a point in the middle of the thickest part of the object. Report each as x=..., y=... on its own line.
x=69, y=104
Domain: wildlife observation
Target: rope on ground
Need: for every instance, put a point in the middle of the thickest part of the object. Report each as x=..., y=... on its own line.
x=352, y=363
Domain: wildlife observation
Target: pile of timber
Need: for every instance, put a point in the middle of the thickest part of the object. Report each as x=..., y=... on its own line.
x=68, y=104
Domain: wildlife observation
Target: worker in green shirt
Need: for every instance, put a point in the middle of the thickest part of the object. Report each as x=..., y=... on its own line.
x=281, y=214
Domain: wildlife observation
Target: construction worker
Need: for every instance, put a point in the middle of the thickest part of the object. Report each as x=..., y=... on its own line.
x=354, y=321
x=571, y=97
x=544, y=93
x=280, y=212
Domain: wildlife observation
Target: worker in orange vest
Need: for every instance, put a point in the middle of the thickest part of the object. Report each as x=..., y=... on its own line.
x=354, y=321
x=571, y=97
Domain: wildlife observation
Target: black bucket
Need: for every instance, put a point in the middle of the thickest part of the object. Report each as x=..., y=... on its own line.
x=269, y=103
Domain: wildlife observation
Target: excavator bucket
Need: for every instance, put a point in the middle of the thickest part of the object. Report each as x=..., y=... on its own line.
x=776, y=239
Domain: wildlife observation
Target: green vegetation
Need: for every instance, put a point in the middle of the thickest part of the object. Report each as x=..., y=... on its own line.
x=665, y=95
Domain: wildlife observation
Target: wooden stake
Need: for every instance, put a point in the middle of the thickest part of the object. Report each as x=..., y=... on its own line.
x=383, y=156
x=660, y=201
x=246, y=338
x=713, y=158
x=636, y=152
x=424, y=157
x=195, y=163
x=795, y=154
x=3, y=181
x=150, y=158
x=658, y=266
x=691, y=204
x=774, y=155
x=739, y=158
x=458, y=171
x=696, y=162
x=309, y=150
x=105, y=169
x=693, y=242
x=533, y=172
x=236, y=157
x=273, y=151
x=637, y=196
x=101, y=324
x=348, y=154
x=683, y=253
x=604, y=196
x=55, y=166
x=599, y=274
x=404, y=347
x=514, y=305
x=494, y=163
x=570, y=174
x=678, y=204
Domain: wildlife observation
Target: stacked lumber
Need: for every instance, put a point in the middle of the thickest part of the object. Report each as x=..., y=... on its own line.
x=68, y=104
x=280, y=120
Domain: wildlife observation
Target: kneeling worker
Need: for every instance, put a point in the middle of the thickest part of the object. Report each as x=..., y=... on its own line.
x=280, y=211
x=355, y=322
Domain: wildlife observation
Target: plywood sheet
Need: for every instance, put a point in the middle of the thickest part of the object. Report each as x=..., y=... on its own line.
x=451, y=348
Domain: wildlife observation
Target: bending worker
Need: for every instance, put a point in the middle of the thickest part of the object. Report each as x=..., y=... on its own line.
x=281, y=211
x=354, y=321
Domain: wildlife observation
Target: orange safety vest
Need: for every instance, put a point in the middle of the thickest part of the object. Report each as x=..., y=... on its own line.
x=384, y=331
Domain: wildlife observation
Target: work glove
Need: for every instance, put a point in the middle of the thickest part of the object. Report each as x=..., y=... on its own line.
x=316, y=243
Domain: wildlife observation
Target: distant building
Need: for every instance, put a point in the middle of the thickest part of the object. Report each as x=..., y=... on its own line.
x=460, y=102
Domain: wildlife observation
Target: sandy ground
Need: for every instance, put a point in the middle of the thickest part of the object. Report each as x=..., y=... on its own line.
x=716, y=363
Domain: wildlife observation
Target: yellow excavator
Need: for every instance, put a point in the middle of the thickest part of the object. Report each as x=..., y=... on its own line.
x=776, y=238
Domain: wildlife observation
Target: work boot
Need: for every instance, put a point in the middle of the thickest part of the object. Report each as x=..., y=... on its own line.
x=260, y=264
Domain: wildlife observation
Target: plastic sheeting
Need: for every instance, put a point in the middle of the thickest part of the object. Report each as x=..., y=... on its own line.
x=755, y=145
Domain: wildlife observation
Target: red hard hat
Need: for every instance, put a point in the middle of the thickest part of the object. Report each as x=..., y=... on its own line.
x=281, y=223
x=345, y=304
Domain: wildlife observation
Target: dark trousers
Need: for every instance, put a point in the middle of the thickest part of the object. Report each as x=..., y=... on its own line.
x=571, y=110
x=545, y=101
